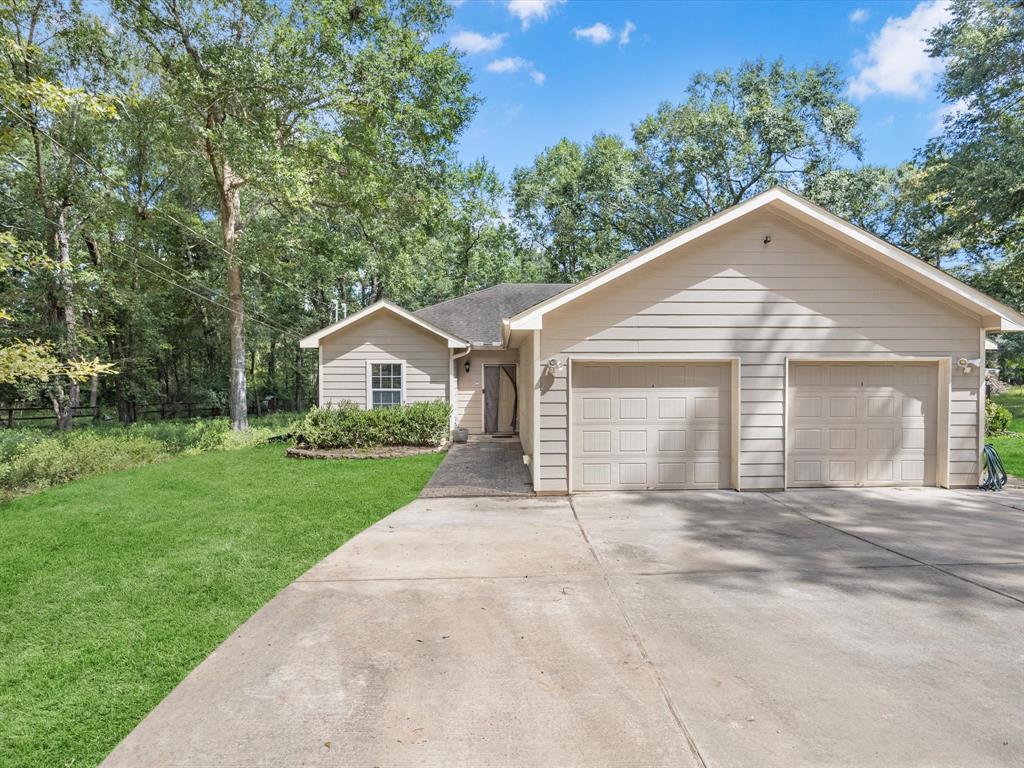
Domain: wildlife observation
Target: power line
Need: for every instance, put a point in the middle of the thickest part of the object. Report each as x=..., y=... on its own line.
x=154, y=207
x=157, y=275
x=252, y=314
x=243, y=314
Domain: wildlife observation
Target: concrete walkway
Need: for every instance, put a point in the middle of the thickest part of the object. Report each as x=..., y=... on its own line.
x=486, y=466
x=842, y=628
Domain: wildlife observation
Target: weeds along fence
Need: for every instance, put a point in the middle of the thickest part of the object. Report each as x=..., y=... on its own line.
x=25, y=414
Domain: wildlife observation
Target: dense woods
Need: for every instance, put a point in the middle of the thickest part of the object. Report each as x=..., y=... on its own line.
x=189, y=186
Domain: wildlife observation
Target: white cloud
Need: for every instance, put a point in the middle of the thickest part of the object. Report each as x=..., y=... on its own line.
x=474, y=42
x=860, y=15
x=528, y=11
x=896, y=61
x=598, y=33
x=508, y=64
x=516, y=64
x=626, y=34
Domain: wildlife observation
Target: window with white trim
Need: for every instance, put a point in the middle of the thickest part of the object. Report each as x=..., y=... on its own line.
x=386, y=384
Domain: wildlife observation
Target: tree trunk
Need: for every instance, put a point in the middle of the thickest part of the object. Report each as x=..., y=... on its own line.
x=272, y=367
x=297, y=383
x=255, y=385
x=65, y=415
x=94, y=397
x=230, y=221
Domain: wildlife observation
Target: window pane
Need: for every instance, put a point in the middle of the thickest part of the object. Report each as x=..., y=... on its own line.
x=385, y=398
x=386, y=384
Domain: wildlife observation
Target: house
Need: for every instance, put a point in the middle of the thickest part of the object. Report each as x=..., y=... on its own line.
x=771, y=346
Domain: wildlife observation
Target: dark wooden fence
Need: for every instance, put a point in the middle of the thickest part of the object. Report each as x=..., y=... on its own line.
x=26, y=414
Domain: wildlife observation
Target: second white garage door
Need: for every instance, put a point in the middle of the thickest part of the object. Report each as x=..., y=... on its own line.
x=638, y=426
x=862, y=424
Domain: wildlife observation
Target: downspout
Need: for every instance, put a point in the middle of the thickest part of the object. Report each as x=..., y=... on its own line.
x=455, y=382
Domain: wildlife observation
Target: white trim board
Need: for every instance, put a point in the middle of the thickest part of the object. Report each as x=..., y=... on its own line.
x=369, y=380
x=313, y=340
x=994, y=315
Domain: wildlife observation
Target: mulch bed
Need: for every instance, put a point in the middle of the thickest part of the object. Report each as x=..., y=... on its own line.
x=384, y=452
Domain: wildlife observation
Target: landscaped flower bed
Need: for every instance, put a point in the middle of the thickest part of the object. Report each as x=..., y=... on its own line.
x=347, y=427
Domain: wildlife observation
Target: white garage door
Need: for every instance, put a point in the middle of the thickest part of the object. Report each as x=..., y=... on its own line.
x=650, y=425
x=862, y=424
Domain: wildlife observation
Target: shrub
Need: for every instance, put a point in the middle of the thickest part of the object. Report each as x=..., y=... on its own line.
x=62, y=458
x=33, y=458
x=348, y=426
x=997, y=418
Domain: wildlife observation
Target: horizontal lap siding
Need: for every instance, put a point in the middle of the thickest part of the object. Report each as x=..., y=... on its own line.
x=729, y=295
x=383, y=337
x=469, y=410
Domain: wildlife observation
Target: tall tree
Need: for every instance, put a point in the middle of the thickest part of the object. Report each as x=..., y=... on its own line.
x=578, y=206
x=271, y=96
x=737, y=133
x=974, y=169
x=47, y=127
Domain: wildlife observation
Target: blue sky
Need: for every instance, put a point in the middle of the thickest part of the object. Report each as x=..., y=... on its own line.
x=548, y=69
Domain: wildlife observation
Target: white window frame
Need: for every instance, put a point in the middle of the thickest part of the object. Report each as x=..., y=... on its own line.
x=369, y=381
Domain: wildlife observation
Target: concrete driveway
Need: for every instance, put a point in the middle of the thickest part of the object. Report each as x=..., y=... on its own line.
x=820, y=628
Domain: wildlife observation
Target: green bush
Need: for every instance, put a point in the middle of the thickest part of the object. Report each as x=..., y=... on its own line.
x=348, y=426
x=997, y=418
x=32, y=458
x=62, y=458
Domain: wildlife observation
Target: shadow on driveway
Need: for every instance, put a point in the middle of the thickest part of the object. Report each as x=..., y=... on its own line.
x=853, y=629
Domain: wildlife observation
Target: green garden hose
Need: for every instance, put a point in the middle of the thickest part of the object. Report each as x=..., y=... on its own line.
x=995, y=474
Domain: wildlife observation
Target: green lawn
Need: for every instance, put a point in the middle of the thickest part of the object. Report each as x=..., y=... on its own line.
x=114, y=587
x=1011, y=448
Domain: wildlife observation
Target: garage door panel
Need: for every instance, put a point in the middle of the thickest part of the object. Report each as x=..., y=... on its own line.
x=671, y=407
x=632, y=408
x=867, y=431
x=664, y=426
x=597, y=408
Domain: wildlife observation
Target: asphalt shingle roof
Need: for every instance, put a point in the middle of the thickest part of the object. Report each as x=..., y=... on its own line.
x=476, y=317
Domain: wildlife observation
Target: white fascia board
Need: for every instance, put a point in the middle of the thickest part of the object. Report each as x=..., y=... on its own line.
x=1004, y=318
x=531, y=319
x=995, y=315
x=313, y=340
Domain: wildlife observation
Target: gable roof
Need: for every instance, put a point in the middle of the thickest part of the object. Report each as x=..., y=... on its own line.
x=313, y=340
x=995, y=315
x=478, y=316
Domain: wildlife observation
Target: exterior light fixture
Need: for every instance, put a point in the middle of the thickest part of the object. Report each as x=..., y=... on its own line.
x=466, y=365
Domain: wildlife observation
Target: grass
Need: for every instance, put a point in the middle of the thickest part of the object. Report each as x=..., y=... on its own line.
x=1011, y=447
x=114, y=587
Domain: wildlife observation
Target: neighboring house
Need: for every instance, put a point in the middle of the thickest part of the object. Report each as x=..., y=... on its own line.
x=773, y=345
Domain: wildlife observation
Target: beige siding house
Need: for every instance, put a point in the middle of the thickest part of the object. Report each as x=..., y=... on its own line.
x=771, y=346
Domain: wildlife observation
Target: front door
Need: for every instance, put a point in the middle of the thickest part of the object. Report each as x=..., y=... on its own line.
x=499, y=399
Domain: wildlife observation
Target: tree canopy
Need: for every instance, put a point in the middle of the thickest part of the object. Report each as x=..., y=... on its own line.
x=189, y=186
